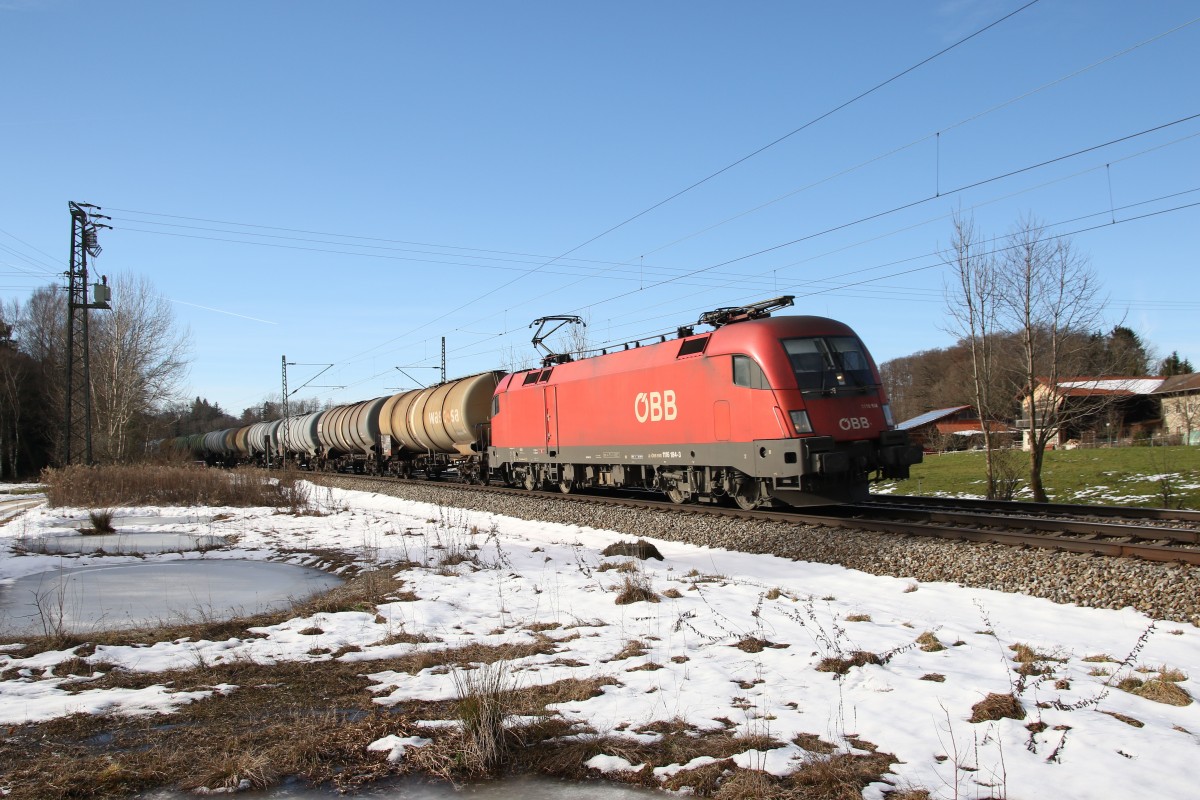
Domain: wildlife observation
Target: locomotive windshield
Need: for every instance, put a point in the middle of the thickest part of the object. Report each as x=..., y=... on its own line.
x=829, y=364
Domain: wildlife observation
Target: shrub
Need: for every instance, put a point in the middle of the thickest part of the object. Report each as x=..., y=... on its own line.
x=102, y=522
x=110, y=486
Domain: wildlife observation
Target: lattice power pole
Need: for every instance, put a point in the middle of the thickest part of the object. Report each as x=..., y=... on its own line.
x=284, y=402
x=77, y=426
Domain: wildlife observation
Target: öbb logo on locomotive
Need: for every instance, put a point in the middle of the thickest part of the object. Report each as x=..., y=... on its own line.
x=655, y=406
x=854, y=424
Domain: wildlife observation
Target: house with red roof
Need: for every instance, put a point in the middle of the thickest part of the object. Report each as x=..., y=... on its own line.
x=954, y=428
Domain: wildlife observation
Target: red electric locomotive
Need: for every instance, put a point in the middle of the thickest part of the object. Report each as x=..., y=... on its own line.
x=789, y=408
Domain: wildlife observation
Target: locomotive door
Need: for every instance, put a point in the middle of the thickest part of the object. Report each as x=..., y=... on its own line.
x=551, y=397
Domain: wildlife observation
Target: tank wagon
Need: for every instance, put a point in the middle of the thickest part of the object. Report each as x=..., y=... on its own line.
x=785, y=408
x=758, y=409
x=348, y=436
x=439, y=428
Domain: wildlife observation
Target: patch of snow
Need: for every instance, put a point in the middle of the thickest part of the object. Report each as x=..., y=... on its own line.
x=395, y=746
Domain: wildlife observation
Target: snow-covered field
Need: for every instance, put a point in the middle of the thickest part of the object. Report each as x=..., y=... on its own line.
x=734, y=638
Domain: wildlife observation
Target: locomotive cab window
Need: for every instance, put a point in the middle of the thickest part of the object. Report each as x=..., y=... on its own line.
x=747, y=372
x=829, y=363
x=531, y=378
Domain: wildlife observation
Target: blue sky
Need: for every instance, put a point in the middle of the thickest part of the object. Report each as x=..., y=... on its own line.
x=348, y=183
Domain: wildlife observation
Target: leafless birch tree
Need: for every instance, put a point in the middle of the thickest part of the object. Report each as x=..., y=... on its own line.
x=972, y=302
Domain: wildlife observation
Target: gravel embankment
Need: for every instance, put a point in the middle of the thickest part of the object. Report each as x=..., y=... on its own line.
x=1164, y=591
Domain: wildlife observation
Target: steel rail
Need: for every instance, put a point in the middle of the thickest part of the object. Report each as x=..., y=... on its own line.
x=1018, y=506
x=1042, y=523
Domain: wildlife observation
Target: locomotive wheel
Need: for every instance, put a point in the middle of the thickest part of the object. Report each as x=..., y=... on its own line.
x=564, y=487
x=745, y=503
x=746, y=497
x=530, y=481
x=675, y=495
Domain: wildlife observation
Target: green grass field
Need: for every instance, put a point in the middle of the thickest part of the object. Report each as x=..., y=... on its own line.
x=1122, y=476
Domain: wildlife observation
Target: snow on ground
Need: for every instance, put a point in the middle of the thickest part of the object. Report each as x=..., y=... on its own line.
x=680, y=659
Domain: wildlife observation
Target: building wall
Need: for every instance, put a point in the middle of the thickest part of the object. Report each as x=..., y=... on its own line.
x=1181, y=415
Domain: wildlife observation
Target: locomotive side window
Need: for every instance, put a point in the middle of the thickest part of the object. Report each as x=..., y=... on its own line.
x=747, y=372
x=546, y=375
x=829, y=363
x=531, y=378
x=495, y=404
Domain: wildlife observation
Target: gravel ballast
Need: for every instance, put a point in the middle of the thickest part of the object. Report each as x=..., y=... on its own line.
x=1161, y=590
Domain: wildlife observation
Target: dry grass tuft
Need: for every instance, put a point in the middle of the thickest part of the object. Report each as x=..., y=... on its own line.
x=1128, y=720
x=483, y=709
x=636, y=589
x=840, y=665
x=929, y=642
x=1156, y=689
x=858, y=618
x=997, y=706
x=1026, y=654
x=752, y=644
x=1166, y=673
x=841, y=776
x=747, y=784
x=634, y=648
x=704, y=781
x=623, y=566
x=814, y=744
x=936, y=677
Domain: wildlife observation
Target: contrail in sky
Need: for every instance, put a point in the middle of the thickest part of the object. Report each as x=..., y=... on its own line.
x=219, y=311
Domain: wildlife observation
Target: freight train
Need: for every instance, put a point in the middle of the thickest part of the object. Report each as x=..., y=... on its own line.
x=758, y=409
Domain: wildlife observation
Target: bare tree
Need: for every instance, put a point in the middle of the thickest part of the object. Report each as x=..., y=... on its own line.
x=40, y=334
x=1049, y=294
x=972, y=301
x=137, y=363
x=13, y=377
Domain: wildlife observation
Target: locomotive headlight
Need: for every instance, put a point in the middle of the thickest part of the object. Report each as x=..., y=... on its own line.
x=887, y=415
x=800, y=422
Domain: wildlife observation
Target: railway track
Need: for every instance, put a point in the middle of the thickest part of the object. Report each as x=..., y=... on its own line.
x=1038, y=509
x=1098, y=530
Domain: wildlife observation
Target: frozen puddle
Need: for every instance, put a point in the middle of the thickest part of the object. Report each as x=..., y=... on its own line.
x=126, y=543
x=527, y=787
x=141, y=522
x=95, y=598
